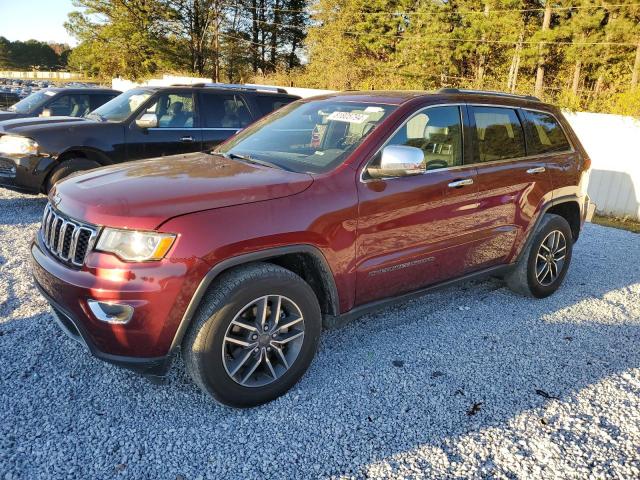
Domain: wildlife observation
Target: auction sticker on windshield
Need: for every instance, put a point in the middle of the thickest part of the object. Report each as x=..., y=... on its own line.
x=348, y=117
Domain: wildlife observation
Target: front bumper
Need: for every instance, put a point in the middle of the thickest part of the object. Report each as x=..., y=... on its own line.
x=159, y=293
x=25, y=174
x=157, y=366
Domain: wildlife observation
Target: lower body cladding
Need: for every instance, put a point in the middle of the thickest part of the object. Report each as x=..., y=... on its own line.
x=131, y=321
x=25, y=174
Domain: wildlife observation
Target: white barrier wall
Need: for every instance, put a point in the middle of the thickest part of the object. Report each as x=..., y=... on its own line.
x=613, y=143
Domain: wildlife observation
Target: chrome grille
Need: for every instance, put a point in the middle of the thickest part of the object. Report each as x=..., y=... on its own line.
x=67, y=240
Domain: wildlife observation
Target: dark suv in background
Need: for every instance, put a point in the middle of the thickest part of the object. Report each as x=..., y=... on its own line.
x=328, y=208
x=141, y=123
x=59, y=102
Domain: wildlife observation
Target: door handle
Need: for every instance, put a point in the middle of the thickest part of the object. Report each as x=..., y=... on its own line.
x=187, y=139
x=536, y=170
x=461, y=183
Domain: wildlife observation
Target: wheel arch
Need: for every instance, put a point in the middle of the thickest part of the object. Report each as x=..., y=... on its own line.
x=568, y=206
x=306, y=261
x=569, y=209
x=86, y=153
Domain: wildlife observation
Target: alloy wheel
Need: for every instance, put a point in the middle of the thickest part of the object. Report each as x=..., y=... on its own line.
x=550, y=258
x=263, y=341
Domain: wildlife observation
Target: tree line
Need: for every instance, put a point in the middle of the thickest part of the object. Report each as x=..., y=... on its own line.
x=225, y=40
x=579, y=53
x=32, y=54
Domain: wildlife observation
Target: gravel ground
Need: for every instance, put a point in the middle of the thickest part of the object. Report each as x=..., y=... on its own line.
x=472, y=381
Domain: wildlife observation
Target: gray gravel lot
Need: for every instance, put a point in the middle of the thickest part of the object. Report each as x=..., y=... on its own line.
x=472, y=381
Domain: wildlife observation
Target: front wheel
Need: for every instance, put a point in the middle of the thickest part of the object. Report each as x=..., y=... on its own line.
x=542, y=268
x=254, y=335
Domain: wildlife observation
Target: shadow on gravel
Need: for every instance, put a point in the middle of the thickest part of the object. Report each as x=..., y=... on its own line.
x=417, y=376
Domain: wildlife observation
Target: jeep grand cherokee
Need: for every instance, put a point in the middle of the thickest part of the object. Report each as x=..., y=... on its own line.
x=323, y=210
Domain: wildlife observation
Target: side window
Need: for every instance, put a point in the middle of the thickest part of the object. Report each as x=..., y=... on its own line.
x=545, y=134
x=174, y=110
x=269, y=103
x=225, y=111
x=76, y=105
x=437, y=132
x=498, y=134
x=99, y=100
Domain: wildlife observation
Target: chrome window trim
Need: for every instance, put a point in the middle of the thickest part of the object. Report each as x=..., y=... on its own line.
x=364, y=169
x=459, y=167
x=572, y=150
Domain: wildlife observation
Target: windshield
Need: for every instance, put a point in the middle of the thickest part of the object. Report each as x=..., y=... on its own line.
x=32, y=102
x=121, y=107
x=309, y=137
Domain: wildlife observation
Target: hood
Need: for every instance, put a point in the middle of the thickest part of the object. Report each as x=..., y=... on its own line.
x=23, y=126
x=146, y=193
x=6, y=115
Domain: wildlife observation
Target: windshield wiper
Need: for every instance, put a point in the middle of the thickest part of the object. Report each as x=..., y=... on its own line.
x=246, y=158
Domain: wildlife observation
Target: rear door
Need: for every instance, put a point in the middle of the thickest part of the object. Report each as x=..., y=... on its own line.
x=547, y=139
x=414, y=231
x=511, y=184
x=223, y=114
x=177, y=130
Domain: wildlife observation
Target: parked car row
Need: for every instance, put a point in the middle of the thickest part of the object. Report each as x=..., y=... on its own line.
x=236, y=253
x=146, y=122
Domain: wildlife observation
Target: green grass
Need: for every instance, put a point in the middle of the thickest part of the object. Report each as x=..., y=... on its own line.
x=616, y=222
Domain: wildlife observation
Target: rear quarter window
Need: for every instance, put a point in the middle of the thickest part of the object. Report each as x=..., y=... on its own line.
x=269, y=103
x=545, y=135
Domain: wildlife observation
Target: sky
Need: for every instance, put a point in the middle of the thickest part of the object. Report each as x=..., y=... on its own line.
x=35, y=19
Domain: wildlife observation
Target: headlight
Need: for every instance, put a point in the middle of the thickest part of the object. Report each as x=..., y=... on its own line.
x=134, y=246
x=16, y=145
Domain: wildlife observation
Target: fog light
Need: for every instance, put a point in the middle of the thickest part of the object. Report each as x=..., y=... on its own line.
x=111, y=312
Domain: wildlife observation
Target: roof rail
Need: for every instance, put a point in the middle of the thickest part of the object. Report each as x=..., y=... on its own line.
x=233, y=86
x=488, y=92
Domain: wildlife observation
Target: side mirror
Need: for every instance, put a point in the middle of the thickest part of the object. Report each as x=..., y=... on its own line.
x=399, y=161
x=46, y=113
x=148, y=120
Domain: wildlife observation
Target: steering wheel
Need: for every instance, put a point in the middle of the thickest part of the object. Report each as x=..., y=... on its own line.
x=432, y=164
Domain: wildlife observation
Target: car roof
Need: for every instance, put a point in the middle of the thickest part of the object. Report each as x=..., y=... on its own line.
x=222, y=88
x=82, y=90
x=398, y=97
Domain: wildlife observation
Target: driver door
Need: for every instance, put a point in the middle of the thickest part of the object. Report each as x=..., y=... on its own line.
x=177, y=130
x=414, y=231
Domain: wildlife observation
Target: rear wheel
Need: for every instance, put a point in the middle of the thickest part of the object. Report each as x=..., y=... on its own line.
x=66, y=168
x=541, y=270
x=254, y=335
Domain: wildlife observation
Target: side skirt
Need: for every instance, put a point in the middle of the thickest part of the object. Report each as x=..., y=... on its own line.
x=336, y=321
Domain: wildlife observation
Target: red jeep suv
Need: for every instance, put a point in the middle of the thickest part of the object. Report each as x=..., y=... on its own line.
x=319, y=212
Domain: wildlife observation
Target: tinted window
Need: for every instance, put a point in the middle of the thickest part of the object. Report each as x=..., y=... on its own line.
x=545, y=134
x=225, y=111
x=75, y=105
x=98, y=100
x=498, y=134
x=269, y=103
x=174, y=110
x=437, y=132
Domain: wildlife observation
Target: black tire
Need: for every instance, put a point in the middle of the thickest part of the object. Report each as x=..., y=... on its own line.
x=66, y=168
x=204, y=343
x=527, y=277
